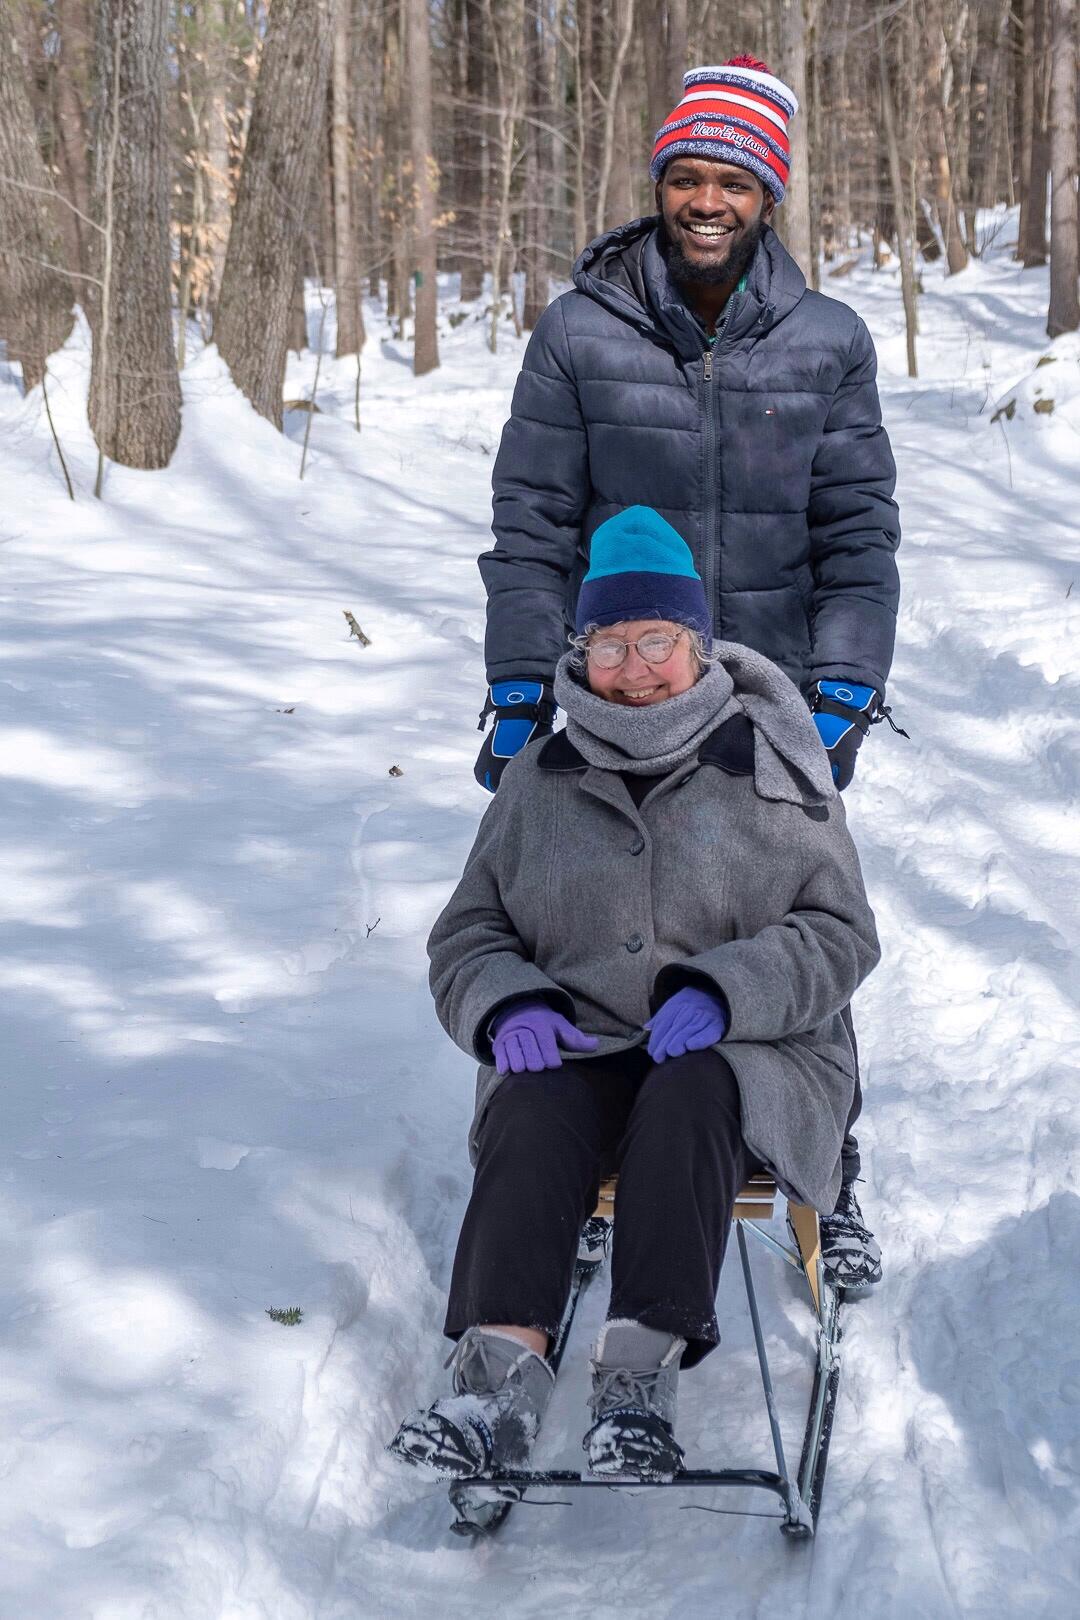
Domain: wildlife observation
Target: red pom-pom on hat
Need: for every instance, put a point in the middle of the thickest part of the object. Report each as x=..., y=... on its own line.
x=748, y=62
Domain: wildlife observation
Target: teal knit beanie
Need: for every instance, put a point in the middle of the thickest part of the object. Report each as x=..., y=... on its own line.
x=641, y=568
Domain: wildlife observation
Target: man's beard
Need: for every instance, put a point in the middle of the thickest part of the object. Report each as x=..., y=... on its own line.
x=732, y=268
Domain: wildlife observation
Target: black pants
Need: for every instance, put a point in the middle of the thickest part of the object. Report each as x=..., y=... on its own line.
x=673, y=1133
x=850, y=1162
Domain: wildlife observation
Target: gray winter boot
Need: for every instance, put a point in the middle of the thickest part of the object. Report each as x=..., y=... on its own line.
x=489, y=1422
x=635, y=1385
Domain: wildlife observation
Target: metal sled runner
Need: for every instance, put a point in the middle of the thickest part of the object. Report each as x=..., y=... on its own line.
x=482, y=1504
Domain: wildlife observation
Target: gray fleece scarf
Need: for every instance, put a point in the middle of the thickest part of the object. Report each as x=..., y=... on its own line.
x=645, y=742
x=790, y=762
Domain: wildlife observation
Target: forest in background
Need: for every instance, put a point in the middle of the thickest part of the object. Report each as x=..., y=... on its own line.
x=167, y=164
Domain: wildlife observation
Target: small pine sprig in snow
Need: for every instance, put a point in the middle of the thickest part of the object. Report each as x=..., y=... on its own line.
x=287, y=1315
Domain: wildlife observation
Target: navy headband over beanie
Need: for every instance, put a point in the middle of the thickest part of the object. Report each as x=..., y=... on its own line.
x=641, y=568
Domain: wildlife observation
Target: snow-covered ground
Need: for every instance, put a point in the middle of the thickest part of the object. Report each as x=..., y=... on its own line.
x=225, y=1089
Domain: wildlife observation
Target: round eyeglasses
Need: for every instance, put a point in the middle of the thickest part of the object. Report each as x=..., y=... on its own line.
x=654, y=648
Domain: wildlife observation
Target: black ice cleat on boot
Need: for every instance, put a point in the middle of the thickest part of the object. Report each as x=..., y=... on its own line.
x=500, y=1391
x=850, y=1255
x=595, y=1241
x=634, y=1391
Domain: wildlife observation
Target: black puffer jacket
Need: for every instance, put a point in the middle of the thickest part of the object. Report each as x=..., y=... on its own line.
x=767, y=453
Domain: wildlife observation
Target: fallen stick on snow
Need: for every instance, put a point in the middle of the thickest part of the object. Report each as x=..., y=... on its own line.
x=355, y=630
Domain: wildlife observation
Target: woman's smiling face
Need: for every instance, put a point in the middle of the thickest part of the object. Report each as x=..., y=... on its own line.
x=635, y=683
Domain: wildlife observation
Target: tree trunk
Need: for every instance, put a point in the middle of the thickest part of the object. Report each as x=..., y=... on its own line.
x=425, y=175
x=455, y=67
x=392, y=83
x=399, y=165
x=369, y=88
x=792, y=19
x=652, y=47
x=194, y=255
x=74, y=39
x=592, y=18
x=472, y=137
x=998, y=180
x=820, y=222
x=623, y=181
x=134, y=388
x=558, y=82
x=978, y=114
x=884, y=226
x=611, y=103
x=218, y=156
x=662, y=45
x=1032, y=243
x=940, y=166
x=899, y=194
x=925, y=236
x=347, y=286
x=839, y=145
x=581, y=91
x=265, y=244
x=35, y=300
x=961, y=23
x=188, y=223
x=1064, y=313
x=27, y=24
x=400, y=301
x=297, y=339
x=677, y=53
x=998, y=177
x=1026, y=116
x=537, y=172
x=323, y=239
x=507, y=35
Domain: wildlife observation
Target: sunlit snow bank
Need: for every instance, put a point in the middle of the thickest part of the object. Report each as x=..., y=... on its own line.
x=1046, y=402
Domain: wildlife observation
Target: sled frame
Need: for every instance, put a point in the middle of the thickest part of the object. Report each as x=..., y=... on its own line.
x=482, y=1504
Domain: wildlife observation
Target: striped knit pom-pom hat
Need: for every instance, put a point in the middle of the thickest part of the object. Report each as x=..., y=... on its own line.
x=736, y=113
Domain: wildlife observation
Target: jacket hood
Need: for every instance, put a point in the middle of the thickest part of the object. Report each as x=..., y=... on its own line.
x=625, y=271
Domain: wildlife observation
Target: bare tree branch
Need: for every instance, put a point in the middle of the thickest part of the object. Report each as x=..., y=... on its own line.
x=55, y=196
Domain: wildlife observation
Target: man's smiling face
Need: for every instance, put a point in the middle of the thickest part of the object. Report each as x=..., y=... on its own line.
x=713, y=213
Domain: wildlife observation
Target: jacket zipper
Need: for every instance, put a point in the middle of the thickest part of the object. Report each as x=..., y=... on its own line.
x=709, y=559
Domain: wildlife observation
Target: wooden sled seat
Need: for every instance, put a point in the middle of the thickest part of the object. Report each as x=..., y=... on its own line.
x=756, y=1202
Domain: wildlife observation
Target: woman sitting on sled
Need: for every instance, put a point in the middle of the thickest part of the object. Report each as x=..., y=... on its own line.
x=659, y=923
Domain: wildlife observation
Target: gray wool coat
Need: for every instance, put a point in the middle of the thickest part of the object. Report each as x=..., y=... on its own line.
x=737, y=872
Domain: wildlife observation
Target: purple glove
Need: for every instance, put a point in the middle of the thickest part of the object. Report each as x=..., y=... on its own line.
x=527, y=1036
x=689, y=1021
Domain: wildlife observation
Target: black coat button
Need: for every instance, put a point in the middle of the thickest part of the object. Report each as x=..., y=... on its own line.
x=634, y=943
x=637, y=846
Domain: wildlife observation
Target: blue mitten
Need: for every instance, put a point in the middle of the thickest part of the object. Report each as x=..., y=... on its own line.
x=523, y=709
x=843, y=714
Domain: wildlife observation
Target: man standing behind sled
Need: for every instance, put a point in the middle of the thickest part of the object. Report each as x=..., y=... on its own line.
x=691, y=370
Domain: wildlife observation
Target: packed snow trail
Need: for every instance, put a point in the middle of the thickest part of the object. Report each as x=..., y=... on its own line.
x=226, y=1090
